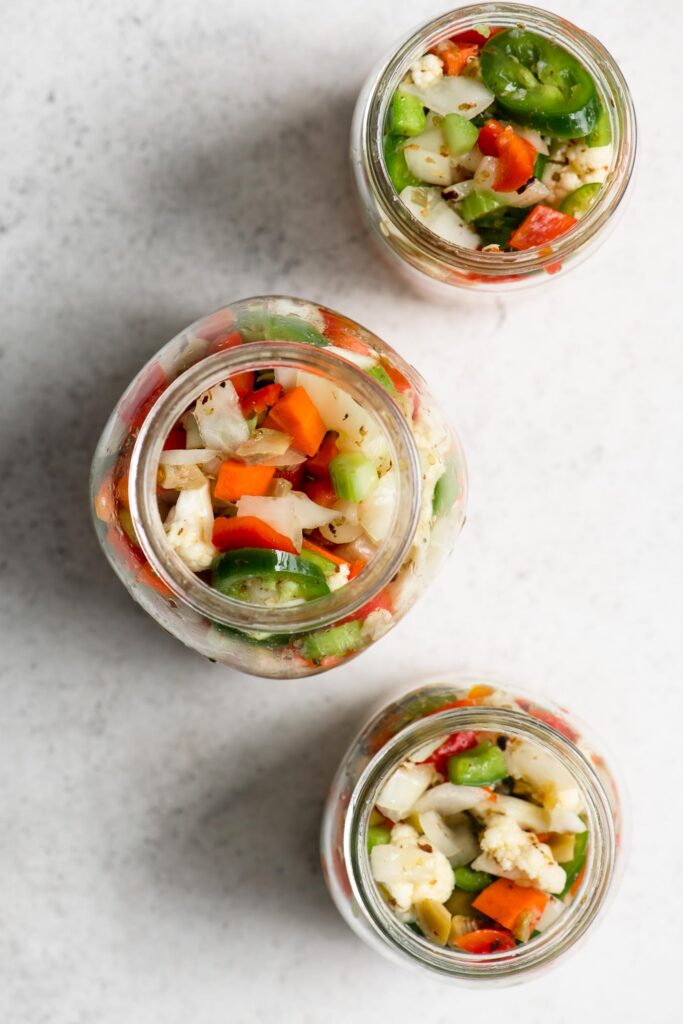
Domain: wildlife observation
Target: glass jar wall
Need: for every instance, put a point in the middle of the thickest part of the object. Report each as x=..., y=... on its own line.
x=399, y=534
x=407, y=732
x=418, y=247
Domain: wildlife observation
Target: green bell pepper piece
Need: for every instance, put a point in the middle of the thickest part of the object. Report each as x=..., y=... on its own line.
x=471, y=881
x=572, y=868
x=480, y=766
x=378, y=835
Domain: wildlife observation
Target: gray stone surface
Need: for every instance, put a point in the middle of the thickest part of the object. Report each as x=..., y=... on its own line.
x=158, y=814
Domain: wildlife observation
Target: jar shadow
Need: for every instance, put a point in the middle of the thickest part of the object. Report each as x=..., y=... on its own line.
x=253, y=848
x=53, y=567
x=271, y=202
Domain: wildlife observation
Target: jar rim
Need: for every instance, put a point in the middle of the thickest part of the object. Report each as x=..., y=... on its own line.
x=610, y=82
x=174, y=401
x=574, y=920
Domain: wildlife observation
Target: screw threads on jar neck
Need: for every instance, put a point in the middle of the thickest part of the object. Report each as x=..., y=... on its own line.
x=143, y=481
x=575, y=918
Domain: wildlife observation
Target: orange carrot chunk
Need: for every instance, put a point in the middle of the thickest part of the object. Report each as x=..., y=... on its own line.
x=296, y=415
x=510, y=904
x=235, y=480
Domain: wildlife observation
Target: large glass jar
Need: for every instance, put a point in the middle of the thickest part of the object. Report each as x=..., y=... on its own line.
x=414, y=244
x=426, y=510
x=409, y=724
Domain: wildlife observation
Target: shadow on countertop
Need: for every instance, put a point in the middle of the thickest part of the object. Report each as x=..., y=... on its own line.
x=252, y=849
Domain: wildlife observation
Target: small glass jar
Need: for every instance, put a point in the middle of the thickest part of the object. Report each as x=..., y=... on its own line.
x=388, y=738
x=255, y=334
x=418, y=247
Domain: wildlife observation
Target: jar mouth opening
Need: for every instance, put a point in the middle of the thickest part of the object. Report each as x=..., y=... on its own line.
x=174, y=401
x=575, y=918
x=614, y=93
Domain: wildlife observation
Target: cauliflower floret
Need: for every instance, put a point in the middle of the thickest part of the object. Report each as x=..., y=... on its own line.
x=551, y=783
x=376, y=625
x=575, y=164
x=427, y=70
x=513, y=849
x=410, y=870
x=403, y=789
x=189, y=527
x=219, y=418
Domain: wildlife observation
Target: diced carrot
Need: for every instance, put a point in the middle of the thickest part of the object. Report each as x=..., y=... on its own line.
x=319, y=464
x=321, y=492
x=122, y=490
x=105, y=500
x=296, y=415
x=148, y=576
x=542, y=225
x=356, y=568
x=317, y=549
x=248, y=532
x=258, y=401
x=485, y=940
x=235, y=480
x=455, y=55
x=479, y=690
x=506, y=902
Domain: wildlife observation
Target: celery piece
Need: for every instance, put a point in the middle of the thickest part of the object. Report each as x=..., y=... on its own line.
x=337, y=641
x=407, y=115
x=477, y=204
x=353, y=476
x=383, y=378
x=471, y=881
x=459, y=133
x=397, y=167
x=480, y=766
x=378, y=836
x=446, y=491
x=578, y=203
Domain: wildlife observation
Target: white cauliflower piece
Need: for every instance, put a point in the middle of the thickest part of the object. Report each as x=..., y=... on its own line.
x=376, y=625
x=530, y=816
x=189, y=527
x=403, y=789
x=411, y=870
x=575, y=164
x=426, y=70
x=551, y=782
x=219, y=418
x=513, y=849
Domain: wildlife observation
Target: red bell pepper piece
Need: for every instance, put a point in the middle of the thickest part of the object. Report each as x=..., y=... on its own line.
x=554, y=721
x=319, y=464
x=176, y=440
x=541, y=226
x=248, y=532
x=455, y=744
x=486, y=940
x=472, y=36
x=455, y=55
x=343, y=333
x=256, y=402
x=516, y=155
x=321, y=492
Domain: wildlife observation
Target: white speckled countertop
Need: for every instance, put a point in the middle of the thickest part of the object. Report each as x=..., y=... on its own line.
x=159, y=814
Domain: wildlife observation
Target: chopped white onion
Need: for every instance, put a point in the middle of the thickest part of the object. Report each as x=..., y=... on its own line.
x=376, y=512
x=427, y=165
x=485, y=173
x=449, y=799
x=262, y=443
x=280, y=513
x=453, y=94
x=340, y=412
x=456, y=841
x=403, y=789
x=366, y=361
x=187, y=456
x=427, y=205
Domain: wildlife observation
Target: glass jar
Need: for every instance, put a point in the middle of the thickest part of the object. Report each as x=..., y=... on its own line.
x=417, y=246
x=427, y=511
x=389, y=737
